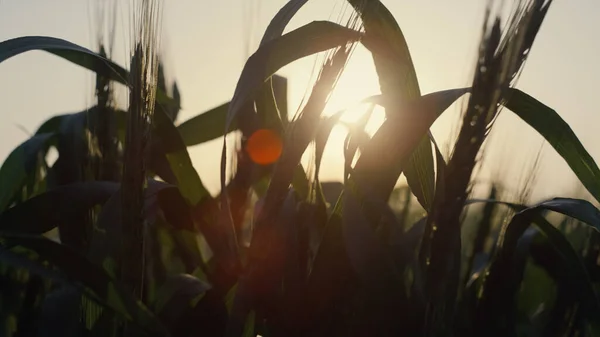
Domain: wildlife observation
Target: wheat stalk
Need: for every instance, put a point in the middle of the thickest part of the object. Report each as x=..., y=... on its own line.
x=143, y=77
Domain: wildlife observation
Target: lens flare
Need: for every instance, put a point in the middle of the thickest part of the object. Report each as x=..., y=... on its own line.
x=264, y=147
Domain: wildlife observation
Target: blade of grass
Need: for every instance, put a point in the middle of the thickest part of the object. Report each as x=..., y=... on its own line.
x=281, y=20
x=206, y=126
x=307, y=40
x=21, y=163
x=274, y=31
x=385, y=156
x=73, y=53
x=51, y=125
x=188, y=181
x=496, y=297
x=397, y=76
x=557, y=132
x=64, y=49
x=59, y=206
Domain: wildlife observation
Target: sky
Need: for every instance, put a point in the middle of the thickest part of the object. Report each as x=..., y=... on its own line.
x=205, y=48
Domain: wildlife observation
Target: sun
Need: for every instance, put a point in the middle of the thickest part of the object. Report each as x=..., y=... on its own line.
x=358, y=81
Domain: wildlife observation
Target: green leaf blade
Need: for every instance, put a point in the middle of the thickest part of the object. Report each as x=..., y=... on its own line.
x=557, y=132
x=205, y=126
x=400, y=135
x=19, y=164
x=397, y=77
x=307, y=40
x=73, y=53
x=175, y=151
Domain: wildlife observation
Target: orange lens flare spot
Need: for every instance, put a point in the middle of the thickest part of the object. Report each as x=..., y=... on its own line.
x=264, y=147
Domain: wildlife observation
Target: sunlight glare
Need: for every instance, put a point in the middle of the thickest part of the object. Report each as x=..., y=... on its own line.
x=358, y=82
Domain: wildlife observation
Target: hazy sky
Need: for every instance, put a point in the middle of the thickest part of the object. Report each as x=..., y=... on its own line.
x=206, y=45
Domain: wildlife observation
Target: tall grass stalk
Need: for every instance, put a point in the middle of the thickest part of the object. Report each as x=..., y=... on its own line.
x=105, y=165
x=143, y=77
x=502, y=53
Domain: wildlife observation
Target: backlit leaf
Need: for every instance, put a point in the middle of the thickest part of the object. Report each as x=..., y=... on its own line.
x=397, y=77
x=74, y=53
x=558, y=133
